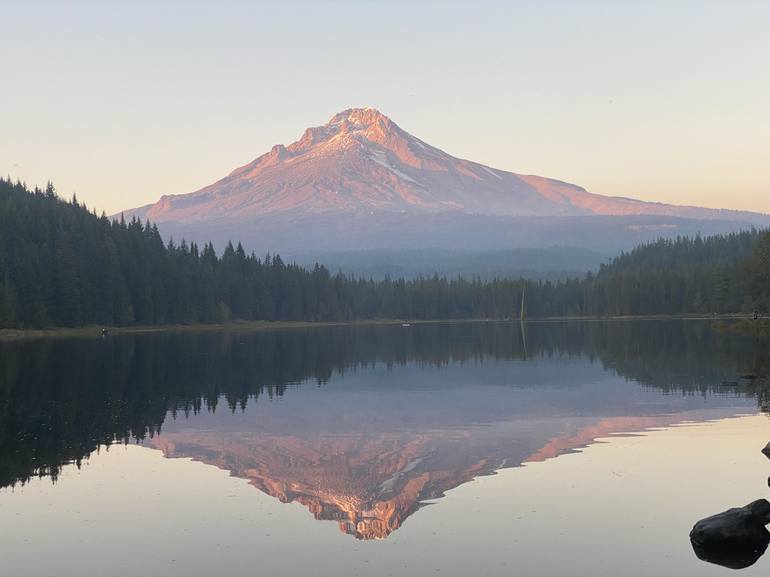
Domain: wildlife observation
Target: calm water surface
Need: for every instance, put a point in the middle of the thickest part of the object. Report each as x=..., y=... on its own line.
x=465, y=449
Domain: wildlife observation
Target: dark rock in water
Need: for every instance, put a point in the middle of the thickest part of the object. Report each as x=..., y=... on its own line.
x=737, y=557
x=766, y=450
x=735, y=538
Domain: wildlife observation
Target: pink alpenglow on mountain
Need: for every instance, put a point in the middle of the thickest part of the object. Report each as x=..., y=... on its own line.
x=360, y=172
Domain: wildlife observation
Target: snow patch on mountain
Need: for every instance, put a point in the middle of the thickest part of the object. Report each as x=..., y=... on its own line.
x=492, y=172
x=381, y=158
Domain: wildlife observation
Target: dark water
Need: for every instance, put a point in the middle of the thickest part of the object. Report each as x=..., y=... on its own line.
x=464, y=449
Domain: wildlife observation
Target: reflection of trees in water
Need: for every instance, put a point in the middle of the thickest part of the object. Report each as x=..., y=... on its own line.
x=677, y=357
x=61, y=399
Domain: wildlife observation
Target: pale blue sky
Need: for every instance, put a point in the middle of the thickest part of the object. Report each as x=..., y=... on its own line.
x=123, y=102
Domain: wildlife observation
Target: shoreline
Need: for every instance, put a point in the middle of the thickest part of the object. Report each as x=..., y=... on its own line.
x=95, y=331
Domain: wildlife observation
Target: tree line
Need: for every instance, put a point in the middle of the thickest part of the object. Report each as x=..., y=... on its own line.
x=63, y=265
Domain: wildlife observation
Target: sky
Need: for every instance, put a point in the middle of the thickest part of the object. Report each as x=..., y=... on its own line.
x=122, y=102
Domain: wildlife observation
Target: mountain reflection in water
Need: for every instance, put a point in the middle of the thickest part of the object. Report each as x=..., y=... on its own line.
x=397, y=417
x=370, y=481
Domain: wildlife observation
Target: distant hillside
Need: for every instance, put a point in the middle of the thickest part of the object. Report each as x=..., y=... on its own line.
x=552, y=263
x=717, y=274
x=697, y=252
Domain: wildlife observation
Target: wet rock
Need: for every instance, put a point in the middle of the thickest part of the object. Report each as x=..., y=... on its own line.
x=766, y=450
x=735, y=538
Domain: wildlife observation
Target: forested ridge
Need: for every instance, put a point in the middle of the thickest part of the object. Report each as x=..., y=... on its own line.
x=62, y=265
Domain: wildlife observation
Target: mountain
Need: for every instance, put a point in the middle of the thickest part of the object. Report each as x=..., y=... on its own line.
x=360, y=181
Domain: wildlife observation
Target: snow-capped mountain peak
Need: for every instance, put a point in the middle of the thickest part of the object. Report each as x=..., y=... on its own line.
x=363, y=163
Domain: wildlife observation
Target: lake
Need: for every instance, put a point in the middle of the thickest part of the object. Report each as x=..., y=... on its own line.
x=581, y=448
